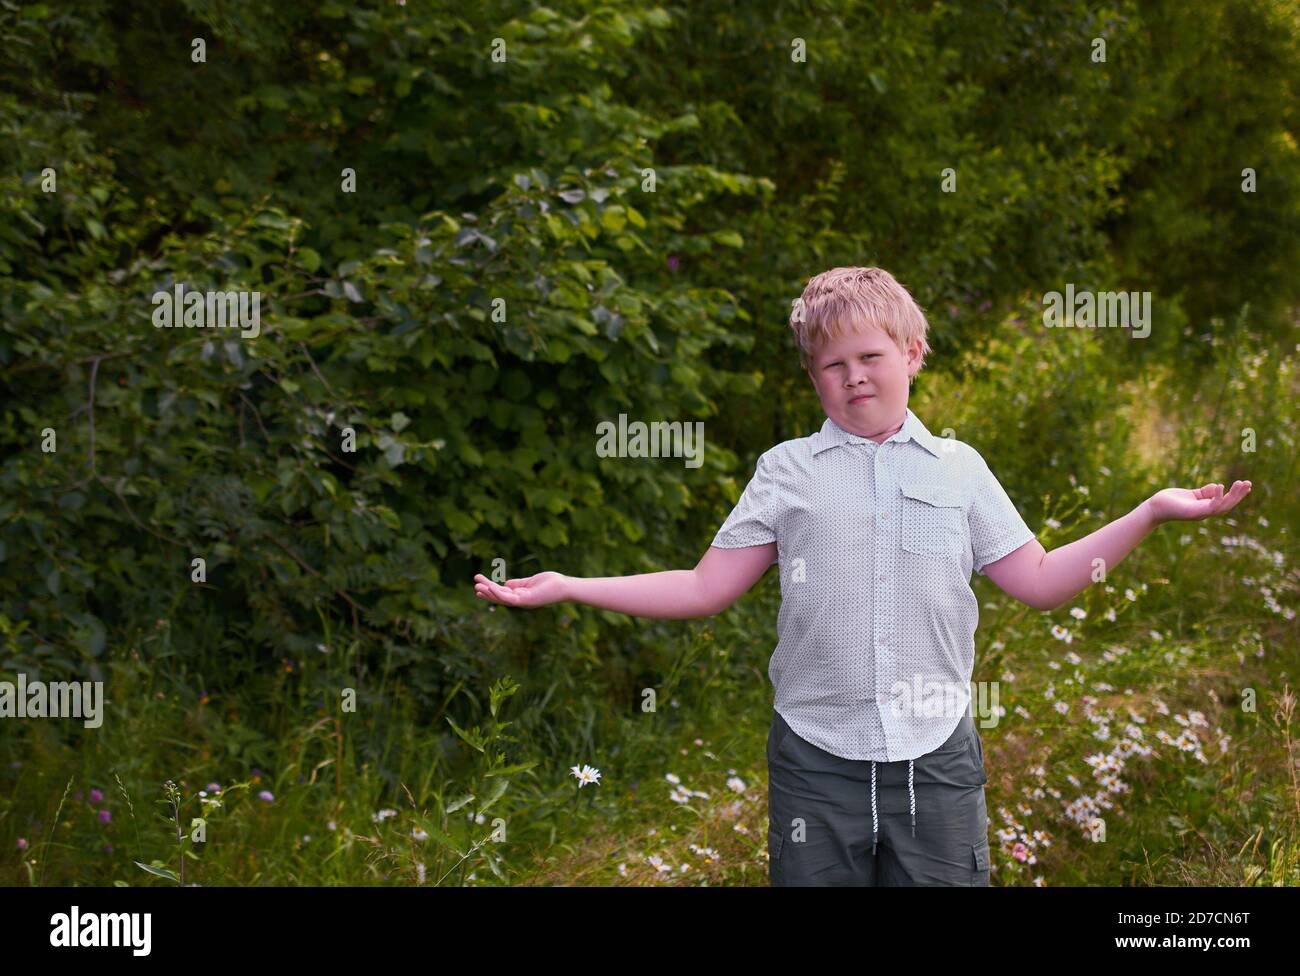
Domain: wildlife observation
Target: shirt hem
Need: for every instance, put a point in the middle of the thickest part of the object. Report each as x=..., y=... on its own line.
x=740, y=545
x=885, y=759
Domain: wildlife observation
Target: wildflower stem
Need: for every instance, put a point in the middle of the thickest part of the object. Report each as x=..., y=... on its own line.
x=45, y=854
x=475, y=847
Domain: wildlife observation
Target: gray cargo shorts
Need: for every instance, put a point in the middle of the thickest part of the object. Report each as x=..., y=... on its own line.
x=820, y=823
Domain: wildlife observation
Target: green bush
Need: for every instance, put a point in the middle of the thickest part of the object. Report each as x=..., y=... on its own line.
x=501, y=281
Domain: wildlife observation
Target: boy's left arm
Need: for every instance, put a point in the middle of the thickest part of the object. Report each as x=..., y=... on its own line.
x=1047, y=580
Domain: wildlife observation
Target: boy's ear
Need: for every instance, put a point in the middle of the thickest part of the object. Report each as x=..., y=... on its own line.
x=914, y=354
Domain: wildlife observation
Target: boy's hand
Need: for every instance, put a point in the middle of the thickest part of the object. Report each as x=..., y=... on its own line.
x=532, y=591
x=1186, y=504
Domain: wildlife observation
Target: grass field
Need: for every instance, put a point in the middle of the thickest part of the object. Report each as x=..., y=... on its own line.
x=1146, y=733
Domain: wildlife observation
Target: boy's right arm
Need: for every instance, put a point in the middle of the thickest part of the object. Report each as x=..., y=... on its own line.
x=721, y=576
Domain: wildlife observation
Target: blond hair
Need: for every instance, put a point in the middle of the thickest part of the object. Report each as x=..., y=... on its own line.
x=841, y=300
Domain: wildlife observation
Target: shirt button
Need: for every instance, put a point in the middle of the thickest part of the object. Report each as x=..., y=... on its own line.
x=881, y=578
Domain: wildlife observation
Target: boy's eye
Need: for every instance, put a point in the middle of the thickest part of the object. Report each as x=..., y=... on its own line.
x=865, y=355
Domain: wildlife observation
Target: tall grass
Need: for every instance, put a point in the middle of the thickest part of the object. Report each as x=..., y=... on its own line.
x=1147, y=734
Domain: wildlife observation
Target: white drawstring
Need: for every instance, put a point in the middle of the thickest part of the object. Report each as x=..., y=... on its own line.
x=911, y=798
x=911, y=795
x=873, y=809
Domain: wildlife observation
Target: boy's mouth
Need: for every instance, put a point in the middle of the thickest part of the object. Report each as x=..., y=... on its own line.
x=862, y=399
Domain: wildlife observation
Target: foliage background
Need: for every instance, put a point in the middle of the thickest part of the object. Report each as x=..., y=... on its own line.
x=525, y=181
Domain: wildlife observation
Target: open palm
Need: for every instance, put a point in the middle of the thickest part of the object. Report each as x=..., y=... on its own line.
x=1192, y=504
x=531, y=591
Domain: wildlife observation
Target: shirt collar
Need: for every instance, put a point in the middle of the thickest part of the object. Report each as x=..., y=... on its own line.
x=833, y=435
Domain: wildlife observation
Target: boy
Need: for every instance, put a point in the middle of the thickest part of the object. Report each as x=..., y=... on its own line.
x=875, y=767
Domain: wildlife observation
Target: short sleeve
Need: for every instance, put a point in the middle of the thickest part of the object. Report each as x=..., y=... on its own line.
x=753, y=521
x=996, y=528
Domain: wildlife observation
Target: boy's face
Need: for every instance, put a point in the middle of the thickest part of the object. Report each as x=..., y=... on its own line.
x=862, y=380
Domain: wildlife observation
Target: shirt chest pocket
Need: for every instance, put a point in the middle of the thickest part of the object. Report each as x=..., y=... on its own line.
x=933, y=520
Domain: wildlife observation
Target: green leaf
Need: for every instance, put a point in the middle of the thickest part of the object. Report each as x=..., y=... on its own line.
x=308, y=258
x=388, y=517
x=471, y=740
x=460, y=523
x=613, y=218
x=459, y=802
x=260, y=486
x=498, y=788
x=516, y=385
x=161, y=872
x=509, y=770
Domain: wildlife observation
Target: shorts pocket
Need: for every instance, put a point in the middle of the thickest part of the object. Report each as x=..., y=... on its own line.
x=776, y=735
x=956, y=765
x=956, y=743
x=976, y=749
x=978, y=744
x=933, y=520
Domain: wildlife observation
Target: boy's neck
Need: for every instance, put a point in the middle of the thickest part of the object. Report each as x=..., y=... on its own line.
x=880, y=438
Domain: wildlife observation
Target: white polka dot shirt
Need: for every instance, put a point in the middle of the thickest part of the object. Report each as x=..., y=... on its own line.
x=875, y=544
